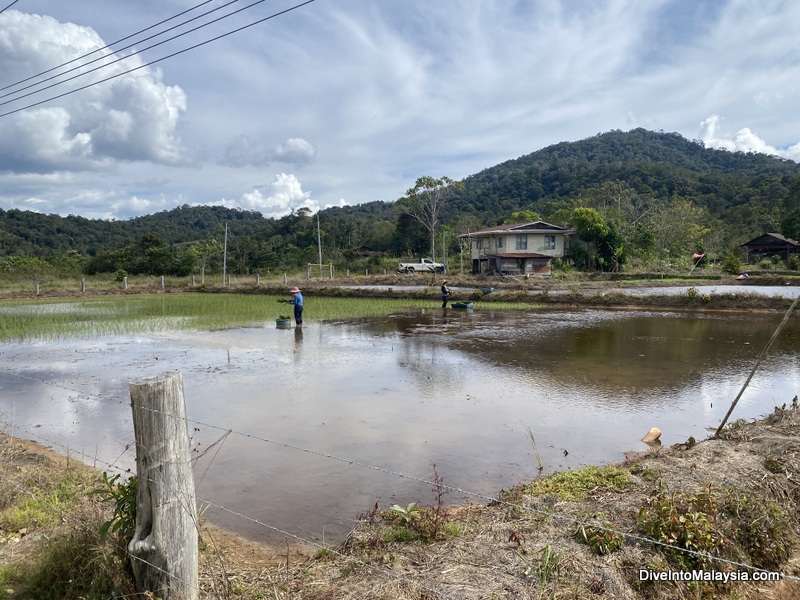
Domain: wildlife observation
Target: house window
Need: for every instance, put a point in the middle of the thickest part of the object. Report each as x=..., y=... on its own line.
x=499, y=242
x=522, y=242
x=550, y=242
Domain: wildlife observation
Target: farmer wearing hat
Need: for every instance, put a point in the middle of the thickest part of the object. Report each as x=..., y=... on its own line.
x=445, y=293
x=297, y=300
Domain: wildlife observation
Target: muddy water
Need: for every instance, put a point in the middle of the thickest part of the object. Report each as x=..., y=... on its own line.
x=324, y=419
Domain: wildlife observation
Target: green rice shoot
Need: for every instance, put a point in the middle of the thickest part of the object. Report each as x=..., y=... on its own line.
x=58, y=318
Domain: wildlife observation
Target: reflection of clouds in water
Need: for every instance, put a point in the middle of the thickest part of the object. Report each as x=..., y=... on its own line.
x=407, y=390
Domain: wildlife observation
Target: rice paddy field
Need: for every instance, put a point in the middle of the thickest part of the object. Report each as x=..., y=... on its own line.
x=385, y=385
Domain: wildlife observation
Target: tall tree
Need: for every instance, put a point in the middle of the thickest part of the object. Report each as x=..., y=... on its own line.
x=424, y=203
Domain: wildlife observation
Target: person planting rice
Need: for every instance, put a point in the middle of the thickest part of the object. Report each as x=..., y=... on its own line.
x=445, y=293
x=297, y=300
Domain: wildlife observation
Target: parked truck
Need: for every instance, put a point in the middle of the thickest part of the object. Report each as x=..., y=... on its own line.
x=425, y=265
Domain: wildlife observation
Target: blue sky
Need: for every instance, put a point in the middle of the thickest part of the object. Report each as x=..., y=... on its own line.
x=345, y=101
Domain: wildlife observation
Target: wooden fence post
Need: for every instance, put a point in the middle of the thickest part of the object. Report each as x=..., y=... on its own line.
x=164, y=548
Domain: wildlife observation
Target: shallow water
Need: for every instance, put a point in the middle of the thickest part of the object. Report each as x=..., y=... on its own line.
x=324, y=419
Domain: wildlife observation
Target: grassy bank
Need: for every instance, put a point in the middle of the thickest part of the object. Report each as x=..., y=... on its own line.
x=727, y=505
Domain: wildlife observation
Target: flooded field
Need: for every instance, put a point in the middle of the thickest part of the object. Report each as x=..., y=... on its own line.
x=301, y=430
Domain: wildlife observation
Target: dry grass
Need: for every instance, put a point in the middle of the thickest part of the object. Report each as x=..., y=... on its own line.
x=523, y=546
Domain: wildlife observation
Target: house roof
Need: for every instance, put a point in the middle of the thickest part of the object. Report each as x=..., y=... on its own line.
x=518, y=255
x=531, y=227
x=771, y=239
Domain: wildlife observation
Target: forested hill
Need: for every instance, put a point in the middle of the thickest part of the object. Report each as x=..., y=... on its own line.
x=25, y=233
x=744, y=194
x=739, y=188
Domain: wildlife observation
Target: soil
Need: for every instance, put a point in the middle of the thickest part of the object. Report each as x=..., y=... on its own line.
x=500, y=549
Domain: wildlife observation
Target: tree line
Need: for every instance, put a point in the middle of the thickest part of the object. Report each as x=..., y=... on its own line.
x=634, y=198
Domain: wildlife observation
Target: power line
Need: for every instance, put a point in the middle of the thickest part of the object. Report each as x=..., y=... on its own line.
x=107, y=46
x=9, y=6
x=108, y=64
x=195, y=46
x=120, y=59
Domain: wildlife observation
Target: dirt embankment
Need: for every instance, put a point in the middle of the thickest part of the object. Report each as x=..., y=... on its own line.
x=607, y=532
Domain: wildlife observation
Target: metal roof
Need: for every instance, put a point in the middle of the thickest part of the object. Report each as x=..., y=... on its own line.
x=512, y=228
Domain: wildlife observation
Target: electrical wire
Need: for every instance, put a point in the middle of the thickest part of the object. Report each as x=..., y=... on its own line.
x=107, y=46
x=120, y=59
x=179, y=52
x=9, y=6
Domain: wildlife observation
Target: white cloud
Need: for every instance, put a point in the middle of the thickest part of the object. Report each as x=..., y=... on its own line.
x=743, y=140
x=277, y=199
x=130, y=118
x=359, y=99
x=296, y=151
x=242, y=152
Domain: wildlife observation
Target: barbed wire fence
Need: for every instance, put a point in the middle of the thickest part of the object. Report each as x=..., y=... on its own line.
x=225, y=432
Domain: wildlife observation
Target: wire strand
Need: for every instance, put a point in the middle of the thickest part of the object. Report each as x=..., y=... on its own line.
x=123, y=58
x=493, y=499
x=106, y=47
x=148, y=64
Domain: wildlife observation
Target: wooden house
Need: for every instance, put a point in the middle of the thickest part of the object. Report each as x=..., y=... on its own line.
x=770, y=244
x=518, y=248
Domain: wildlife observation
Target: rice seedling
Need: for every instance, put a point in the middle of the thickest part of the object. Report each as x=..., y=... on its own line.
x=96, y=317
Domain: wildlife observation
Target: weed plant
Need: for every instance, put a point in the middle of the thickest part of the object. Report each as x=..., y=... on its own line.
x=600, y=538
x=686, y=522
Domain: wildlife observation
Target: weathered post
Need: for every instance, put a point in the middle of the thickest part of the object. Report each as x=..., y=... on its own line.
x=258, y=280
x=83, y=285
x=125, y=283
x=162, y=282
x=164, y=548
x=36, y=287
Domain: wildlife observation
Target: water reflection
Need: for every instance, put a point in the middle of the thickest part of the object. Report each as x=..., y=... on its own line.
x=398, y=393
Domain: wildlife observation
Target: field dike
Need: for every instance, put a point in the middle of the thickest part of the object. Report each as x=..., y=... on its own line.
x=633, y=530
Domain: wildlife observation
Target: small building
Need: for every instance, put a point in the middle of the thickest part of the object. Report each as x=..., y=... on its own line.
x=768, y=245
x=518, y=248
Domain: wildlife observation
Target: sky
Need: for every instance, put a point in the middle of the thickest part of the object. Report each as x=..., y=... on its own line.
x=340, y=102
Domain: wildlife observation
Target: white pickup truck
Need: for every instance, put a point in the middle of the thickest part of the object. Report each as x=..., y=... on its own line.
x=425, y=265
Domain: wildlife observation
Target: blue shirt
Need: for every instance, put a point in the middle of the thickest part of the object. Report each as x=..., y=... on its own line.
x=297, y=299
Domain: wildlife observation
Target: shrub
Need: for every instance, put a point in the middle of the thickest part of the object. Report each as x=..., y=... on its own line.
x=689, y=522
x=732, y=264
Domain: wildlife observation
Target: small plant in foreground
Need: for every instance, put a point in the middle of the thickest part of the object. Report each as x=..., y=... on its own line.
x=687, y=522
x=407, y=514
x=535, y=449
x=600, y=538
x=548, y=565
x=762, y=529
x=123, y=497
x=423, y=523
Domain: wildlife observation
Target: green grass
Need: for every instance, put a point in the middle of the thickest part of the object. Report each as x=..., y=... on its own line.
x=46, y=503
x=56, y=318
x=574, y=486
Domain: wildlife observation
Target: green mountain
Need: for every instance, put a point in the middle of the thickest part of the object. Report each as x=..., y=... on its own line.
x=741, y=189
x=743, y=195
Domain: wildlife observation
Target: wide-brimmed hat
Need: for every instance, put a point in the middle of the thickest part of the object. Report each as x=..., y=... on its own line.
x=294, y=290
